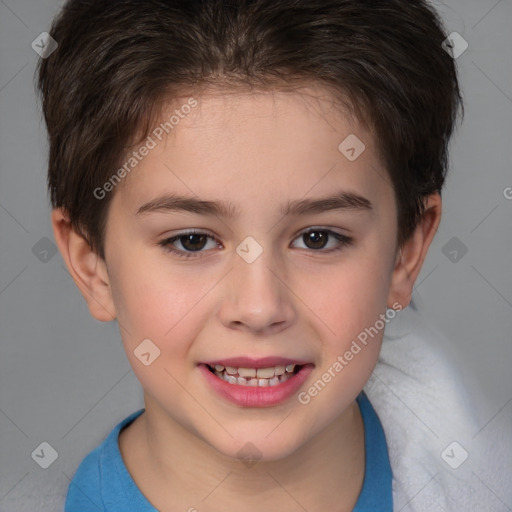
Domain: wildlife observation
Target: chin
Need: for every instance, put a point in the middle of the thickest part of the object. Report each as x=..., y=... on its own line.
x=253, y=447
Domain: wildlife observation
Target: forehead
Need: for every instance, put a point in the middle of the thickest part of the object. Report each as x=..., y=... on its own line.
x=241, y=145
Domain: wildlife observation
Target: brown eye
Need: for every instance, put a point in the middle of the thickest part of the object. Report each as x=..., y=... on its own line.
x=317, y=239
x=192, y=242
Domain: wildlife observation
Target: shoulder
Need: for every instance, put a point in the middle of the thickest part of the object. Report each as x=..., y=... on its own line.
x=424, y=403
x=84, y=491
x=95, y=480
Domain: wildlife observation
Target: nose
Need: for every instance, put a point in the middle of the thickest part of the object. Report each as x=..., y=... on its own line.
x=257, y=296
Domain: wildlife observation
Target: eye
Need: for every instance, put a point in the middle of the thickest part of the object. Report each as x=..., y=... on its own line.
x=194, y=241
x=317, y=238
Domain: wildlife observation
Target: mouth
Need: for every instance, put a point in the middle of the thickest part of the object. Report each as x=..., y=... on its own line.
x=255, y=377
x=250, y=382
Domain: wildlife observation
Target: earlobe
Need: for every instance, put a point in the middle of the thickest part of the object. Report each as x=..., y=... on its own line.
x=87, y=269
x=413, y=252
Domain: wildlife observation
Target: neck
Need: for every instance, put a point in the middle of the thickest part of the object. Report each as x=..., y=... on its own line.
x=174, y=468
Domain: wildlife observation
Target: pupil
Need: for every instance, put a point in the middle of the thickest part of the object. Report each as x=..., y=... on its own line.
x=317, y=240
x=193, y=237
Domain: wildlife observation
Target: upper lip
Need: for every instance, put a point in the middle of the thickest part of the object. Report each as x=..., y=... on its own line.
x=248, y=362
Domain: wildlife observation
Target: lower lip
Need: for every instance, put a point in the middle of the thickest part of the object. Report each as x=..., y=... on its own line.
x=249, y=396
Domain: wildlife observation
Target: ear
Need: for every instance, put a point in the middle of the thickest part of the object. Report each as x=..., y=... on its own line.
x=413, y=252
x=87, y=269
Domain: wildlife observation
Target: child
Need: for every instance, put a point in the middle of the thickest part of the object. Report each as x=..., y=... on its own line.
x=302, y=145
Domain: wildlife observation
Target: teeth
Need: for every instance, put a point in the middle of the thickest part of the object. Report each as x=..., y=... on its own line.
x=253, y=382
x=279, y=370
x=247, y=372
x=265, y=373
x=273, y=381
x=260, y=373
x=231, y=379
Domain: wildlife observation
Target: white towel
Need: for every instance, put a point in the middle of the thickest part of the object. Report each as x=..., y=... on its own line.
x=432, y=417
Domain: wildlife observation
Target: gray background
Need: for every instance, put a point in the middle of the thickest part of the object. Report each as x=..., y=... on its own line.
x=64, y=377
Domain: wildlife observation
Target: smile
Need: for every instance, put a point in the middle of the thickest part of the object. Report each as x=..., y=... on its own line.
x=255, y=377
x=248, y=386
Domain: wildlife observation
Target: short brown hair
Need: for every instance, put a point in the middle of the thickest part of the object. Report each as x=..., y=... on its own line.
x=118, y=61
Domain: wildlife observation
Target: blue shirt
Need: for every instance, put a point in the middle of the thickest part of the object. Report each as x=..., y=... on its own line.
x=102, y=482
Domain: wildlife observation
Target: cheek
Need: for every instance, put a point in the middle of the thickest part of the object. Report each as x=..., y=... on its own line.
x=162, y=308
x=351, y=296
x=151, y=303
x=351, y=302
x=351, y=345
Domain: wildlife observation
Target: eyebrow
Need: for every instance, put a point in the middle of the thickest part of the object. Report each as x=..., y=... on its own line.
x=342, y=200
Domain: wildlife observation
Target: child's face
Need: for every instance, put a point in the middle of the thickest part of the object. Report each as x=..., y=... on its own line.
x=296, y=300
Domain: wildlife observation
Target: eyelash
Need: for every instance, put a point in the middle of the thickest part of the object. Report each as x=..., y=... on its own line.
x=344, y=240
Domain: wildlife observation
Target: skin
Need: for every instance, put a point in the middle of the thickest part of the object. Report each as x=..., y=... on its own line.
x=256, y=150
